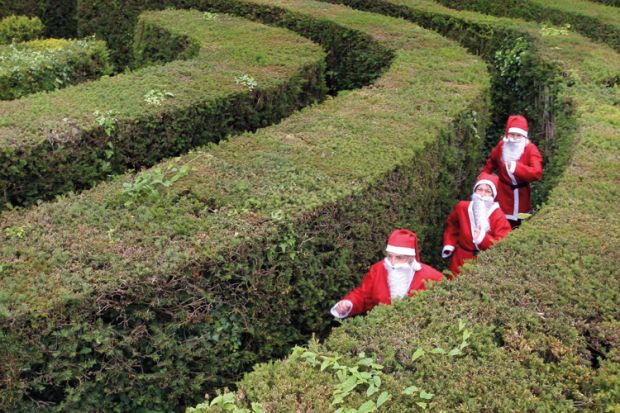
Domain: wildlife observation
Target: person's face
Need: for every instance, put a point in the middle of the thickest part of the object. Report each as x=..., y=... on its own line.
x=483, y=190
x=516, y=137
x=398, y=259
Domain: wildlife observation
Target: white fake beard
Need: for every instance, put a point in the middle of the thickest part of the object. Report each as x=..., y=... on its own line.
x=399, y=279
x=480, y=208
x=512, y=150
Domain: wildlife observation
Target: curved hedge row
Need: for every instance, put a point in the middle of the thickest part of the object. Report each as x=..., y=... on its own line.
x=531, y=326
x=196, y=269
x=595, y=21
x=69, y=139
x=46, y=65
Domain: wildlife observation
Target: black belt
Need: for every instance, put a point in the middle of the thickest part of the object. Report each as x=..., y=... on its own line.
x=519, y=185
x=475, y=252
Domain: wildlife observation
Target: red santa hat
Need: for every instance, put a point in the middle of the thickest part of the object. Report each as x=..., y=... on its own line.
x=403, y=242
x=490, y=180
x=516, y=124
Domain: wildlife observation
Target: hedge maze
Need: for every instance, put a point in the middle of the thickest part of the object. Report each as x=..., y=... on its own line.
x=198, y=212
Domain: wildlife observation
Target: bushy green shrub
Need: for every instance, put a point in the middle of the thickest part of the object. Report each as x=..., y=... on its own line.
x=19, y=29
x=46, y=65
x=58, y=16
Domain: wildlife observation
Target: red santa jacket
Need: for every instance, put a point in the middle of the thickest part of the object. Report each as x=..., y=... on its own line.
x=513, y=193
x=375, y=289
x=459, y=233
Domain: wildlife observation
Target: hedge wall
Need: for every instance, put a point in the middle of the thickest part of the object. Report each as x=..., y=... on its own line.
x=179, y=289
x=46, y=65
x=69, y=139
x=531, y=326
x=594, y=21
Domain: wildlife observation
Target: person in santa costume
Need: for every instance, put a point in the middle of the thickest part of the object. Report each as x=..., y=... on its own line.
x=394, y=277
x=474, y=225
x=517, y=162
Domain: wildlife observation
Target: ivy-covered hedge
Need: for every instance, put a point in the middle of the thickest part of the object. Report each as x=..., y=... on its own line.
x=531, y=326
x=595, y=21
x=19, y=29
x=147, y=290
x=58, y=16
x=46, y=65
x=69, y=139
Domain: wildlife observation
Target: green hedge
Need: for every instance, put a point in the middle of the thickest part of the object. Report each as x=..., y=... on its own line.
x=19, y=29
x=69, y=139
x=46, y=65
x=594, y=21
x=179, y=289
x=541, y=307
x=58, y=16
x=615, y=3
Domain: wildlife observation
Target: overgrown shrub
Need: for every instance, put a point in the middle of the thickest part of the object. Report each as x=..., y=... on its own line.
x=46, y=65
x=58, y=16
x=19, y=29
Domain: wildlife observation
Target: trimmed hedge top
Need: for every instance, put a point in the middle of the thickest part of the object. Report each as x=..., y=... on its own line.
x=575, y=54
x=596, y=21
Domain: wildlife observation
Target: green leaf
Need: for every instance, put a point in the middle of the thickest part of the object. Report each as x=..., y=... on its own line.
x=383, y=397
x=417, y=354
x=376, y=381
x=438, y=350
x=410, y=390
x=423, y=405
x=466, y=334
x=372, y=389
x=367, y=407
x=455, y=352
x=425, y=395
x=461, y=325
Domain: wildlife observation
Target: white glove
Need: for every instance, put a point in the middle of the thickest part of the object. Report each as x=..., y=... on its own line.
x=447, y=251
x=342, y=309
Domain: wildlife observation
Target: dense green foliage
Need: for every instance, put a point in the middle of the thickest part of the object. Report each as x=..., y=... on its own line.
x=594, y=22
x=19, y=29
x=199, y=267
x=46, y=65
x=147, y=290
x=71, y=138
x=58, y=15
x=543, y=306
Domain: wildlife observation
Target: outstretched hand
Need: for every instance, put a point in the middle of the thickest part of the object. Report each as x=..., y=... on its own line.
x=344, y=307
